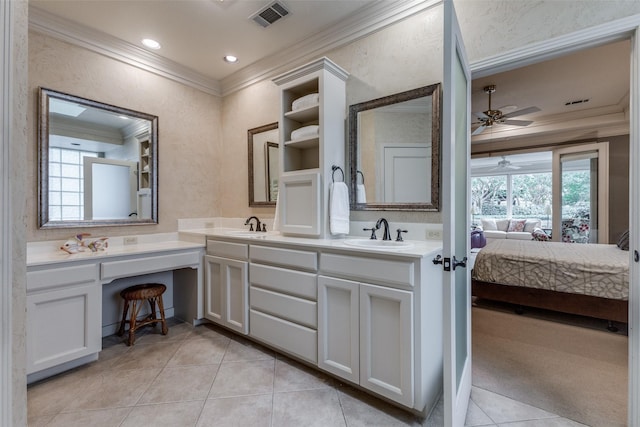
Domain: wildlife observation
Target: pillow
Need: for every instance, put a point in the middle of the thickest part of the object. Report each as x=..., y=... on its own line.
x=532, y=224
x=488, y=224
x=516, y=225
x=623, y=241
x=502, y=224
x=539, y=235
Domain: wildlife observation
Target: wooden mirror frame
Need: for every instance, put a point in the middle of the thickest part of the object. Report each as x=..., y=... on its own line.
x=43, y=161
x=250, y=133
x=434, y=91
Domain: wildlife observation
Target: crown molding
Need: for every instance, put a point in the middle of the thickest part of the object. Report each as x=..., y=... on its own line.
x=352, y=28
x=115, y=48
x=359, y=24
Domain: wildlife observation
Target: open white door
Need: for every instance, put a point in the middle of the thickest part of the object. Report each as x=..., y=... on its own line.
x=456, y=132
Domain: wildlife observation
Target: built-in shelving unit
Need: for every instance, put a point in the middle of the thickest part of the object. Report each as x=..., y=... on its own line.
x=307, y=155
x=145, y=164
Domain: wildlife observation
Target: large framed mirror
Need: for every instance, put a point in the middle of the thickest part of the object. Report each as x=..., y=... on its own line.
x=394, y=151
x=263, y=165
x=98, y=163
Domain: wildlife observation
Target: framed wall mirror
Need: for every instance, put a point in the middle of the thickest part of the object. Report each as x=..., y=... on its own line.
x=98, y=163
x=394, y=151
x=263, y=165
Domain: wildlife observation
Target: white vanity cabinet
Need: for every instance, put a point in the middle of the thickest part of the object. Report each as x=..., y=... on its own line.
x=283, y=295
x=373, y=325
x=226, y=285
x=64, y=315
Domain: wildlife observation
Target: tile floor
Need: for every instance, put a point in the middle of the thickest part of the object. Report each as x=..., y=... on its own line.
x=205, y=376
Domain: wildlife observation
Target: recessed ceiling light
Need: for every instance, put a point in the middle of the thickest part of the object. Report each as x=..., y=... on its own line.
x=230, y=59
x=151, y=44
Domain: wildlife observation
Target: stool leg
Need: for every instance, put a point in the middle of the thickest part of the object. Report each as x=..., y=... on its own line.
x=124, y=318
x=165, y=330
x=132, y=321
x=152, y=304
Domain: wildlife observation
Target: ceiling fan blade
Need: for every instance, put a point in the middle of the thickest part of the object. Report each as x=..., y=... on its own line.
x=521, y=112
x=480, y=115
x=479, y=130
x=517, y=122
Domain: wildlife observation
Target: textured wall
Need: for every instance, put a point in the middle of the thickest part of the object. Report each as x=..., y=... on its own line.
x=188, y=121
x=490, y=27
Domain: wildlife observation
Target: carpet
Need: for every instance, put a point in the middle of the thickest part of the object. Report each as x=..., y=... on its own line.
x=575, y=372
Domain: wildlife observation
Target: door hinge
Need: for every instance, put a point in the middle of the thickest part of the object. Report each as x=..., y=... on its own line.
x=446, y=262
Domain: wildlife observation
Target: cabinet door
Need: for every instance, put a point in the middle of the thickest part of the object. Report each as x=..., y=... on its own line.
x=338, y=327
x=300, y=204
x=386, y=342
x=226, y=299
x=63, y=325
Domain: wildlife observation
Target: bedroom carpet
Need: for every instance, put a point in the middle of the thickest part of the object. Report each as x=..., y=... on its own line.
x=575, y=372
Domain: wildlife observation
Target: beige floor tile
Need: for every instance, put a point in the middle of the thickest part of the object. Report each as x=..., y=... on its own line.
x=143, y=356
x=293, y=376
x=177, y=332
x=95, y=418
x=550, y=422
x=243, y=378
x=503, y=410
x=254, y=411
x=112, y=390
x=181, y=383
x=476, y=417
x=209, y=330
x=361, y=409
x=200, y=352
x=179, y=414
x=307, y=408
x=39, y=421
x=245, y=350
x=51, y=396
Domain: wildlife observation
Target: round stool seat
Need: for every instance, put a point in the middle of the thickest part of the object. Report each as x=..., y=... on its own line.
x=151, y=292
x=146, y=291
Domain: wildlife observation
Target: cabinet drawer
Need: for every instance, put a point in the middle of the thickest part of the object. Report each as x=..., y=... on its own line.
x=66, y=276
x=228, y=249
x=290, y=337
x=295, y=309
x=148, y=264
x=374, y=270
x=291, y=282
x=286, y=257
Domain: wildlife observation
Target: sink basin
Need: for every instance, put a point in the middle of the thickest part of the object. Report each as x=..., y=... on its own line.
x=248, y=234
x=378, y=244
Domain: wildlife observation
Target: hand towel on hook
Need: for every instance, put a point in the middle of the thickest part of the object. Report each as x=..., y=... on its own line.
x=339, y=208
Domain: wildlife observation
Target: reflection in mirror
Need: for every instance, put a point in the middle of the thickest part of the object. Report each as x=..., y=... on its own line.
x=98, y=163
x=263, y=165
x=394, y=142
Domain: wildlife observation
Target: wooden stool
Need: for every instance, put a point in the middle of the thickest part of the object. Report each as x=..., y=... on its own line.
x=151, y=292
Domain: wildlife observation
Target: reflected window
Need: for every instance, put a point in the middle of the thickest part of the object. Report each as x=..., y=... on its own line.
x=66, y=183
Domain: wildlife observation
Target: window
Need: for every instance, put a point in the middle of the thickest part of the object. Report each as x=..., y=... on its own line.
x=66, y=184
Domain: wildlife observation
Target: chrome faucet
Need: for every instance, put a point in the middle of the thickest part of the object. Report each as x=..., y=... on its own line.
x=385, y=234
x=248, y=222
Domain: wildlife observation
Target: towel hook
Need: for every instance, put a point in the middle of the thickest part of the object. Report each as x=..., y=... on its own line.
x=361, y=174
x=334, y=168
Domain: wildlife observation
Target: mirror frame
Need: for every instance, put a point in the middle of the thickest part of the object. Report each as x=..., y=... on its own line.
x=44, y=95
x=434, y=91
x=250, y=133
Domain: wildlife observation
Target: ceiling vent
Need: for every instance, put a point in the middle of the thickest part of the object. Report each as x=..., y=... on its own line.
x=269, y=14
x=577, y=101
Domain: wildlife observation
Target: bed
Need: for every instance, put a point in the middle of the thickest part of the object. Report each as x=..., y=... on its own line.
x=584, y=279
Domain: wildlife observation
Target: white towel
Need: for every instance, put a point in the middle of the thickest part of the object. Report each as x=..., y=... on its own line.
x=361, y=194
x=305, y=132
x=305, y=101
x=339, y=208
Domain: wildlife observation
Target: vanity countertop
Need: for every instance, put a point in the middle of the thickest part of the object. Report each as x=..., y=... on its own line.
x=49, y=252
x=418, y=248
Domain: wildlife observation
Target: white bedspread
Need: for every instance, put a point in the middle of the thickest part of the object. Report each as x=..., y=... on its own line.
x=589, y=269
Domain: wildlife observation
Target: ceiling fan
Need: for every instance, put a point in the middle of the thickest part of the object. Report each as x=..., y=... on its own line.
x=505, y=164
x=491, y=117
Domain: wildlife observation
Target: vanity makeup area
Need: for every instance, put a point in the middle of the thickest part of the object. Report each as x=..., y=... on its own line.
x=366, y=311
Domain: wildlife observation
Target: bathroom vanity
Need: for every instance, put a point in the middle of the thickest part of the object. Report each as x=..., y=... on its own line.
x=369, y=315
